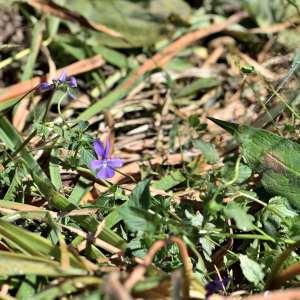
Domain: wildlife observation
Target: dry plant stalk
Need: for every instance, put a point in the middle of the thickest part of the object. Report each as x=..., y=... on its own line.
x=141, y=269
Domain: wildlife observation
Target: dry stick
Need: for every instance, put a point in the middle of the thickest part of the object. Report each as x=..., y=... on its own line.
x=114, y=289
x=290, y=294
x=49, y=7
x=274, y=280
x=76, y=68
x=288, y=273
x=162, y=58
x=140, y=270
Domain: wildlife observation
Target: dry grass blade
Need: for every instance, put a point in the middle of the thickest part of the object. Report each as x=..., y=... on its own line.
x=96, y=241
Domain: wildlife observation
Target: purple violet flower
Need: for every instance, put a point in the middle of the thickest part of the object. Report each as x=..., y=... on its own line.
x=214, y=286
x=63, y=79
x=104, y=165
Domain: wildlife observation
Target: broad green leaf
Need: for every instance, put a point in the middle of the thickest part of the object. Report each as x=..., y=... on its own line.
x=251, y=269
x=208, y=150
x=136, y=24
x=267, y=12
x=138, y=219
x=237, y=212
x=198, y=85
x=166, y=8
x=169, y=181
x=12, y=264
x=140, y=196
x=277, y=159
x=277, y=212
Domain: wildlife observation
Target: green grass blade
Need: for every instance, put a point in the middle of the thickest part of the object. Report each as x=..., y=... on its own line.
x=12, y=264
x=67, y=287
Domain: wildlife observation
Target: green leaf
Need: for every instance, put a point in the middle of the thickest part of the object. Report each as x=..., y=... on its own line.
x=13, y=187
x=169, y=181
x=166, y=8
x=277, y=212
x=208, y=246
x=198, y=85
x=140, y=196
x=27, y=288
x=137, y=25
x=208, y=150
x=295, y=229
x=54, y=171
x=237, y=212
x=244, y=172
x=251, y=269
x=277, y=159
x=138, y=219
x=112, y=56
x=280, y=207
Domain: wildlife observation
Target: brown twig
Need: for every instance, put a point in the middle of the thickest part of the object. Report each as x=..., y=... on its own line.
x=290, y=294
x=114, y=289
x=288, y=273
x=140, y=270
x=160, y=59
x=275, y=278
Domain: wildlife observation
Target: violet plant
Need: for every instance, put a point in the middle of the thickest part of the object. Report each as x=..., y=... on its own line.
x=104, y=165
x=62, y=81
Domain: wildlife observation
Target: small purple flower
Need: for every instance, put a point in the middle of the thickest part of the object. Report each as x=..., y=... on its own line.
x=63, y=79
x=104, y=165
x=216, y=285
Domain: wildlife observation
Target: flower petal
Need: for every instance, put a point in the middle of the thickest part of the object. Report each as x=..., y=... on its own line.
x=105, y=173
x=106, y=150
x=72, y=82
x=115, y=163
x=44, y=86
x=99, y=148
x=95, y=164
x=63, y=76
